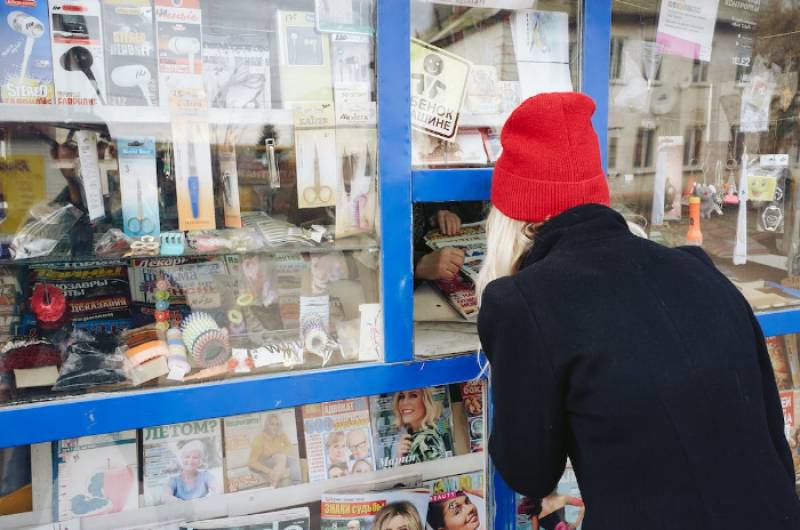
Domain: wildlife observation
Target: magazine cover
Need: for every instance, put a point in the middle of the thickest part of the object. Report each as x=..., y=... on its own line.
x=466, y=506
x=261, y=450
x=338, y=438
x=236, y=56
x=95, y=475
x=780, y=362
x=131, y=62
x=412, y=426
x=378, y=510
x=291, y=519
x=16, y=494
x=471, y=483
x=26, y=71
x=471, y=239
x=182, y=461
x=472, y=397
x=460, y=292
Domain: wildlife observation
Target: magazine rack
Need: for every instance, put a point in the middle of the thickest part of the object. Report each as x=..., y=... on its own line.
x=400, y=187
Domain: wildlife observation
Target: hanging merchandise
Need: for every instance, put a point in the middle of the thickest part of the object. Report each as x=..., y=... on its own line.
x=694, y=236
x=236, y=56
x=193, y=179
x=138, y=186
x=756, y=99
x=345, y=16
x=351, y=56
x=708, y=200
x=179, y=41
x=541, y=48
x=26, y=71
x=438, y=85
x=767, y=189
x=357, y=146
x=731, y=191
x=89, y=170
x=78, y=55
x=315, y=152
x=740, y=248
x=226, y=156
x=669, y=172
x=131, y=62
x=686, y=29
x=304, y=59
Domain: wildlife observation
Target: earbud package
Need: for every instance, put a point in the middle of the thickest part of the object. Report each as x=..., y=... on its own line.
x=351, y=56
x=132, y=72
x=304, y=59
x=26, y=69
x=236, y=56
x=78, y=60
x=179, y=32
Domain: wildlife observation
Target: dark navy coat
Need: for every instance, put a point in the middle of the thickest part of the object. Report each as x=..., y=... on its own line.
x=646, y=367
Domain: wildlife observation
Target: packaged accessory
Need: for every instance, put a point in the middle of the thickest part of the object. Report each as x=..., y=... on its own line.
x=694, y=236
x=47, y=224
x=207, y=344
x=91, y=361
x=26, y=68
x=315, y=144
x=89, y=170
x=138, y=186
x=177, y=360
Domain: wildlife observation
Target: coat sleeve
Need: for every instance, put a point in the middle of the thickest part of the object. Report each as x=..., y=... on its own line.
x=527, y=442
x=769, y=389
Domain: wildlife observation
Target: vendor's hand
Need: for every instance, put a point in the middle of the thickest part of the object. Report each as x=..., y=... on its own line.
x=449, y=223
x=442, y=264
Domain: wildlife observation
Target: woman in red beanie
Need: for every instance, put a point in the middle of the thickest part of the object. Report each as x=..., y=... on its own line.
x=642, y=364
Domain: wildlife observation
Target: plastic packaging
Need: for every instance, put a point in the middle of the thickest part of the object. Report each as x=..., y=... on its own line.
x=91, y=361
x=46, y=225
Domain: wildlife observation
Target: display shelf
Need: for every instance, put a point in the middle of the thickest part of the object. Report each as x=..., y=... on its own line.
x=353, y=244
x=104, y=413
x=247, y=502
x=83, y=114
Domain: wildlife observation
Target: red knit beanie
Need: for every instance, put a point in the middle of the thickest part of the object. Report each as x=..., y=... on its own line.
x=550, y=160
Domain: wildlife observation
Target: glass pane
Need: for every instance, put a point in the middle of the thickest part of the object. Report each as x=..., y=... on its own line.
x=449, y=247
x=472, y=66
x=703, y=142
x=189, y=192
x=421, y=445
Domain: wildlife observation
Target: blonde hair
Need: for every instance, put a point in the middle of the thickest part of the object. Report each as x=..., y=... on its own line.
x=194, y=445
x=334, y=437
x=507, y=242
x=402, y=508
x=432, y=408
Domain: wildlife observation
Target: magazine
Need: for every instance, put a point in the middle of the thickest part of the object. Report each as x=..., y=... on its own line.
x=472, y=397
x=338, y=437
x=780, y=362
x=16, y=494
x=412, y=426
x=471, y=239
x=95, y=475
x=468, y=482
x=182, y=461
x=471, y=506
x=460, y=292
x=261, y=450
x=374, y=510
x=291, y=519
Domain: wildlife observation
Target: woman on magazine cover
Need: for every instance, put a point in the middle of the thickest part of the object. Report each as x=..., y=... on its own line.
x=400, y=515
x=416, y=414
x=642, y=364
x=269, y=453
x=192, y=482
x=456, y=512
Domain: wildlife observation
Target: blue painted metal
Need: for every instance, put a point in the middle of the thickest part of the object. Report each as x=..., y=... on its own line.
x=779, y=322
x=132, y=410
x=440, y=185
x=394, y=162
x=596, y=64
x=504, y=507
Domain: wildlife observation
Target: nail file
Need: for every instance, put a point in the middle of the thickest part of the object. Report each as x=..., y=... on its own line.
x=90, y=174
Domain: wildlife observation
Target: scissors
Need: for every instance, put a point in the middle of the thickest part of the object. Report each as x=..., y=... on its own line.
x=317, y=194
x=140, y=224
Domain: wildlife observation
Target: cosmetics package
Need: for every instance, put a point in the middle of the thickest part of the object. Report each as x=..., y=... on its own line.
x=179, y=41
x=78, y=56
x=26, y=71
x=131, y=66
x=138, y=186
x=90, y=174
x=193, y=176
x=304, y=59
x=357, y=149
x=316, y=159
x=236, y=55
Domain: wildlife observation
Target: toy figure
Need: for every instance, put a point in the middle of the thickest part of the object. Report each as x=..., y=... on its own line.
x=708, y=198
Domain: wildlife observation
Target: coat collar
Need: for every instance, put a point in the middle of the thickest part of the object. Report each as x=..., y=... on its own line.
x=580, y=224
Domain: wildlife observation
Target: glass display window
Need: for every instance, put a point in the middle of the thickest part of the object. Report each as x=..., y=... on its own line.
x=188, y=192
x=703, y=147
x=471, y=66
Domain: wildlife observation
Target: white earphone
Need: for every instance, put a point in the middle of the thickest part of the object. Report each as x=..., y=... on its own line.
x=32, y=28
x=133, y=75
x=185, y=46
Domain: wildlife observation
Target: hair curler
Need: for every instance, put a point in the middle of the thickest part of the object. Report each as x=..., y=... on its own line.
x=80, y=59
x=133, y=75
x=188, y=46
x=32, y=28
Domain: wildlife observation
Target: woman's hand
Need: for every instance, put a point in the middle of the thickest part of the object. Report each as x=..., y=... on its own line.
x=442, y=264
x=404, y=445
x=449, y=223
x=555, y=502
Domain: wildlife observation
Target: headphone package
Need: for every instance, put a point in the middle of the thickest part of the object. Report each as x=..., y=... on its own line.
x=236, y=56
x=78, y=60
x=26, y=71
x=179, y=31
x=131, y=68
x=304, y=59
